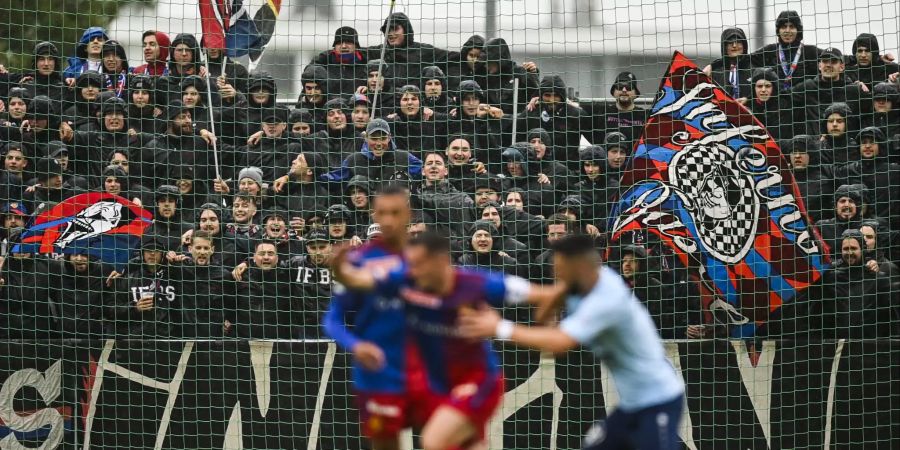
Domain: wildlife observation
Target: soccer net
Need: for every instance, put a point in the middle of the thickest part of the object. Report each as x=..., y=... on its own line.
x=176, y=176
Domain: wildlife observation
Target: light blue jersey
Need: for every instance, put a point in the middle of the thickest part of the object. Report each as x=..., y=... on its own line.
x=613, y=324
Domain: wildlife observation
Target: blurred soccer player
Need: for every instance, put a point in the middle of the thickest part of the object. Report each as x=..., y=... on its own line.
x=382, y=365
x=464, y=376
x=604, y=316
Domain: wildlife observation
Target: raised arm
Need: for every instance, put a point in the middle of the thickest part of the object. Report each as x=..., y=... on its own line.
x=353, y=278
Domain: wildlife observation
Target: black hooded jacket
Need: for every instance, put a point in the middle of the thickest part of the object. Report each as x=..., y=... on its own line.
x=168, y=87
x=492, y=260
x=816, y=181
x=170, y=311
x=343, y=76
x=408, y=59
x=775, y=113
x=313, y=284
x=447, y=210
x=441, y=103
x=482, y=133
x=561, y=120
x=541, y=198
x=271, y=154
x=598, y=194
x=807, y=63
x=839, y=150
x=831, y=229
x=315, y=73
x=733, y=73
x=51, y=85
x=874, y=73
x=80, y=298
x=208, y=292
x=499, y=87
x=26, y=311
x=879, y=175
x=458, y=68
x=266, y=303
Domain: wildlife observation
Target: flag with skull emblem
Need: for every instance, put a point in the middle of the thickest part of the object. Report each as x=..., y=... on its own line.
x=103, y=225
x=710, y=184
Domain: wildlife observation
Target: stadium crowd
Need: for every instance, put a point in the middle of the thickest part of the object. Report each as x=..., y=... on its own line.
x=249, y=197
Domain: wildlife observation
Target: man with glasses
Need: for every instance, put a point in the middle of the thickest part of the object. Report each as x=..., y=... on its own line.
x=621, y=115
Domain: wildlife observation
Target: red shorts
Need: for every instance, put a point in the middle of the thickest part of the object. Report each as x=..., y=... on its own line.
x=476, y=401
x=384, y=415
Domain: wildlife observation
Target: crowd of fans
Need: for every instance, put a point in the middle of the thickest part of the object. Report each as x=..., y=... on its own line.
x=249, y=197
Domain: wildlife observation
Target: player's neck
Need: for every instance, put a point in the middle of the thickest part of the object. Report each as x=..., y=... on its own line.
x=590, y=281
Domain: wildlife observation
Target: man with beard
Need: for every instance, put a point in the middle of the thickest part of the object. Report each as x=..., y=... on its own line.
x=230, y=249
x=622, y=116
x=811, y=97
x=147, y=304
x=561, y=119
x=856, y=300
x=266, y=299
x=179, y=145
x=313, y=276
x=851, y=207
x=79, y=293
x=558, y=227
x=300, y=191
x=91, y=149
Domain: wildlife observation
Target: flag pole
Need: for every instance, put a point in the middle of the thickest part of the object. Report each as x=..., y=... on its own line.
x=381, y=59
x=212, y=118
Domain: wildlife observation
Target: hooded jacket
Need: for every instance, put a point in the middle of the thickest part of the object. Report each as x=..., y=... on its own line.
x=831, y=229
x=300, y=198
x=313, y=284
x=733, y=73
x=889, y=121
x=598, y=194
x=160, y=67
x=499, y=87
x=562, y=121
x=458, y=63
x=407, y=60
x=315, y=73
x=807, y=62
x=171, y=309
x=775, y=113
x=875, y=72
x=168, y=87
x=78, y=62
x=492, y=260
x=271, y=154
x=208, y=294
x=266, y=304
x=80, y=112
x=856, y=303
x=483, y=133
x=816, y=181
x=541, y=198
x=345, y=74
x=559, y=174
x=414, y=132
x=143, y=119
x=337, y=145
x=838, y=150
x=79, y=298
x=441, y=103
x=50, y=85
x=878, y=174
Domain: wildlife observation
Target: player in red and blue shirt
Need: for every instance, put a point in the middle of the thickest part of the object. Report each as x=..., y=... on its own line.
x=387, y=377
x=463, y=375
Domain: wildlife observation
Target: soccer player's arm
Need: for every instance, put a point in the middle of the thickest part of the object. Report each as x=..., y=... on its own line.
x=334, y=322
x=351, y=277
x=513, y=290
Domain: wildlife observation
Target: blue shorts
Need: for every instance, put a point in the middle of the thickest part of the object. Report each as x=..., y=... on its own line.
x=651, y=428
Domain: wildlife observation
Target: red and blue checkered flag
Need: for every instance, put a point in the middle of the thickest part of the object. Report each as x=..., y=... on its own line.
x=103, y=225
x=710, y=183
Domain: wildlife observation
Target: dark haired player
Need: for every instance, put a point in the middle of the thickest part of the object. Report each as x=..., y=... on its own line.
x=463, y=375
x=604, y=316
